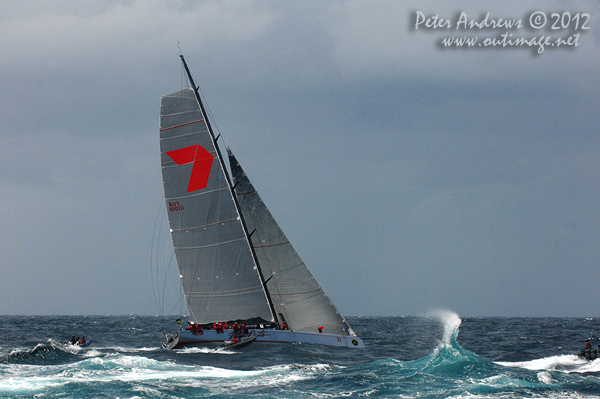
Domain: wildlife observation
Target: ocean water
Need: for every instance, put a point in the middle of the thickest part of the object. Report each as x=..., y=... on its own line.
x=406, y=357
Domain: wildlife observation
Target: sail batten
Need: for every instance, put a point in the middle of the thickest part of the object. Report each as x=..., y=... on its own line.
x=224, y=293
x=199, y=194
x=272, y=245
x=183, y=124
x=211, y=245
x=207, y=225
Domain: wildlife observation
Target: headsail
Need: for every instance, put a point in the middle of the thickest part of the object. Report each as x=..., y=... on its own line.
x=219, y=276
x=295, y=293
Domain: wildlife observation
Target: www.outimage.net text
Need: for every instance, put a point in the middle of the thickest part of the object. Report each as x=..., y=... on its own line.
x=506, y=32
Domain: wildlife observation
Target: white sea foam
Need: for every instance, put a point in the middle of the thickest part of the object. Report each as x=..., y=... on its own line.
x=123, y=349
x=198, y=349
x=545, y=377
x=451, y=322
x=126, y=369
x=91, y=353
x=501, y=381
x=563, y=363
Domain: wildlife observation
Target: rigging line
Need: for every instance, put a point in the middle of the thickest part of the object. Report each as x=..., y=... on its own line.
x=174, y=306
x=205, y=100
x=210, y=114
x=165, y=280
x=162, y=218
x=161, y=305
x=154, y=232
x=160, y=295
x=181, y=298
x=183, y=78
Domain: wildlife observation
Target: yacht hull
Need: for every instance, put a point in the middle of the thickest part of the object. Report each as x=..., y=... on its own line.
x=186, y=338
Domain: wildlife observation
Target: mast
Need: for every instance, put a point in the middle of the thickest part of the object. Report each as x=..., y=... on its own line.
x=231, y=188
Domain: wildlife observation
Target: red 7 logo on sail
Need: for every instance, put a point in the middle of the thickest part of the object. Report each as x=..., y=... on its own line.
x=202, y=160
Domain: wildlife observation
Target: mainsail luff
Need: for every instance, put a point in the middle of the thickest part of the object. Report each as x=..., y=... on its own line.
x=295, y=292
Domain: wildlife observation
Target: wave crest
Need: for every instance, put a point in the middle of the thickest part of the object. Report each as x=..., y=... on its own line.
x=50, y=352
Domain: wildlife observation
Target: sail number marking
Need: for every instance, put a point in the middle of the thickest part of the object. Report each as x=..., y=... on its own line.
x=175, y=206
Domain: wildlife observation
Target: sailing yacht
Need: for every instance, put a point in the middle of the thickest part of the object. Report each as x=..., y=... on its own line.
x=236, y=265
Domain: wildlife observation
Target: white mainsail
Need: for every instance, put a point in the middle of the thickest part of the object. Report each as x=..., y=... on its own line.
x=236, y=264
x=218, y=273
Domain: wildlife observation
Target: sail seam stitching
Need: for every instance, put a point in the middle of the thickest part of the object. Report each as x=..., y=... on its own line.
x=300, y=293
x=225, y=292
x=194, y=133
x=195, y=195
x=211, y=245
x=183, y=124
x=272, y=245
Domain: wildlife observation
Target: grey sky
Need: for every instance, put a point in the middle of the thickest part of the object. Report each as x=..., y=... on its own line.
x=409, y=177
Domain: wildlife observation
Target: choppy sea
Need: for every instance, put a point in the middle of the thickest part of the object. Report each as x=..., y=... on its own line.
x=407, y=357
